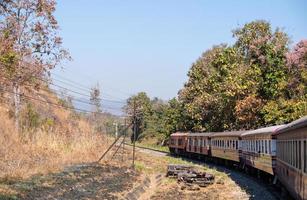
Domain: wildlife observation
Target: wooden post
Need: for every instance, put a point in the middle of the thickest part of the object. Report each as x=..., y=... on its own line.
x=134, y=132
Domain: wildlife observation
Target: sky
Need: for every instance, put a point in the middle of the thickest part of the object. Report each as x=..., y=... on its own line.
x=128, y=46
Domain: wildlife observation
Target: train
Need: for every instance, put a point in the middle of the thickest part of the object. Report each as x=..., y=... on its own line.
x=279, y=152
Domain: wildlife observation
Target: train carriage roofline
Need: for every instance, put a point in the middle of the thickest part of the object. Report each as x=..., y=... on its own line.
x=180, y=134
x=302, y=122
x=227, y=133
x=204, y=134
x=264, y=130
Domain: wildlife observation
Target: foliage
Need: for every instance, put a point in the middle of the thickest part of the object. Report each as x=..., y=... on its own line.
x=95, y=98
x=30, y=45
x=30, y=117
x=139, y=109
x=257, y=81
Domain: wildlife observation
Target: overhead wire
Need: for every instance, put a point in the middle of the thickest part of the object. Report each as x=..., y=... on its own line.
x=114, y=89
x=72, y=108
x=79, y=93
x=75, y=84
x=73, y=97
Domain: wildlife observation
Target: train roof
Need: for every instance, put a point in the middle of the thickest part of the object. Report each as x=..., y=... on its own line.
x=227, y=133
x=206, y=134
x=302, y=122
x=179, y=134
x=265, y=130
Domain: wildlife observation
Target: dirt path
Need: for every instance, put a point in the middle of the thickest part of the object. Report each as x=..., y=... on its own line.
x=77, y=182
x=236, y=184
x=116, y=180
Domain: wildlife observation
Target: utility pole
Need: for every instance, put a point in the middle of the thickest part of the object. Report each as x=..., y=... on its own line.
x=125, y=134
x=134, y=131
x=116, y=129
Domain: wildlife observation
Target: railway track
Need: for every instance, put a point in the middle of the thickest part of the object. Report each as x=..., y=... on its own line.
x=257, y=188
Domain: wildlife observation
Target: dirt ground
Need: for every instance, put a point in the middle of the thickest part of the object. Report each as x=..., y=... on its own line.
x=117, y=180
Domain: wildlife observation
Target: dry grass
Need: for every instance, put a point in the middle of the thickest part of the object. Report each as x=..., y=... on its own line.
x=42, y=151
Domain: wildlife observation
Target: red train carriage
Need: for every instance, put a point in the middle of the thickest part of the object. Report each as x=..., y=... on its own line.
x=225, y=145
x=199, y=143
x=291, y=162
x=178, y=142
x=259, y=149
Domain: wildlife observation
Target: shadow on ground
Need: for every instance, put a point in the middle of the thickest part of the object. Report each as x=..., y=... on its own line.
x=77, y=182
x=257, y=189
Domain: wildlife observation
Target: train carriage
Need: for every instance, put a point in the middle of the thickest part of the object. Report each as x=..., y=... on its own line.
x=199, y=143
x=259, y=149
x=178, y=142
x=225, y=145
x=291, y=161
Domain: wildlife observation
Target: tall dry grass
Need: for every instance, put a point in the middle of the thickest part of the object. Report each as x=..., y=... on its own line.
x=43, y=151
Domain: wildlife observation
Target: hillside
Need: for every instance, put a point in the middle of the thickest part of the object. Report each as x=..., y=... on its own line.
x=50, y=137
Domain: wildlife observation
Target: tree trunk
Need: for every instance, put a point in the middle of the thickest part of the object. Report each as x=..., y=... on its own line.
x=16, y=89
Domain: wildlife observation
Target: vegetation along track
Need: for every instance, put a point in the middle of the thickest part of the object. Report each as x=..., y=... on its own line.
x=256, y=188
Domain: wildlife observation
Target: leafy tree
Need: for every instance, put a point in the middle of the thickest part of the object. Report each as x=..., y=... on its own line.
x=96, y=99
x=253, y=83
x=30, y=31
x=139, y=109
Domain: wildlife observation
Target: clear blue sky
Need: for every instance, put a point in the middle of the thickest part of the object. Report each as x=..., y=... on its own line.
x=131, y=46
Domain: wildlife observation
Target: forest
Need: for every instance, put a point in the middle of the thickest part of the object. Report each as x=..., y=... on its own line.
x=259, y=80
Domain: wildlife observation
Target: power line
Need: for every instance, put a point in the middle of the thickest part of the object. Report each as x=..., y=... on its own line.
x=79, y=93
x=119, y=91
x=49, y=103
x=76, y=99
x=81, y=86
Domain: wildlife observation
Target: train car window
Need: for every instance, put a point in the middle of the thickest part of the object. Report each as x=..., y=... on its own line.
x=299, y=155
x=270, y=150
x=266, y=146
x=284, y=149
x=237, y=144
x=281, y=149
x=305, y=156
x=296, y=154
x=252, y=144
x=290, y=152
x=255, y=146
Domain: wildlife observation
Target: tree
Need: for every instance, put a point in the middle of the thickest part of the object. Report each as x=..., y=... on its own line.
x=30, y=30
x=139, y=109
x=96, y=98
x=255, y=82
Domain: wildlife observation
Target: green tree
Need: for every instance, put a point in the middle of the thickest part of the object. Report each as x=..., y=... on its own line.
x=139, y=109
